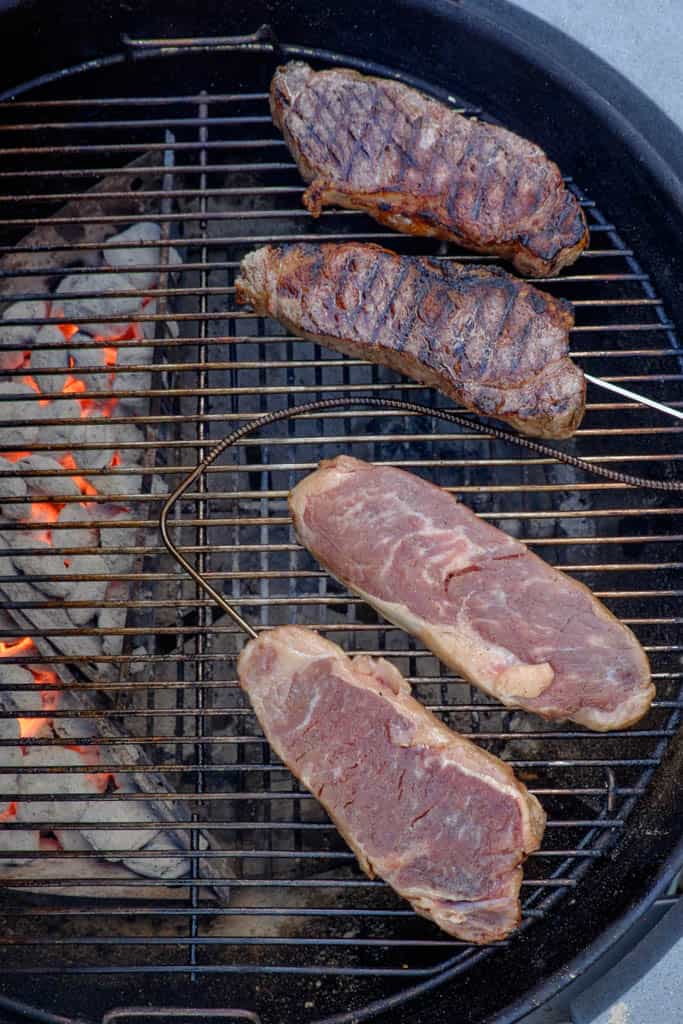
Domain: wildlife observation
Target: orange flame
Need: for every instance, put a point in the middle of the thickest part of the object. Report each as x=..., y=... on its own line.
x=115, y=460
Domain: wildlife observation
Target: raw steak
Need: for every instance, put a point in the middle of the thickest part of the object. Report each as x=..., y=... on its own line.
x=415, y=165
x=480, y=600
x=444, y=823
x=484, y=338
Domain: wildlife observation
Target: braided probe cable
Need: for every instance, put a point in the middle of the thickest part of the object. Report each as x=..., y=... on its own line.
x=377, y=403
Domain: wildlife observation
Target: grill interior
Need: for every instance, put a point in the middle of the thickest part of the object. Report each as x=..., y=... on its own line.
x=301, y=922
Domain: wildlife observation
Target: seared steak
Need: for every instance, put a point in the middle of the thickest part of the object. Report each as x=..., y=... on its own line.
x=486, y=339
x=480, y=600
x=444, y=823
x=415, y=165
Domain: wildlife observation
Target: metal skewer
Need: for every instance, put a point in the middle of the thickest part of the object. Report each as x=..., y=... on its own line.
x=625, y=393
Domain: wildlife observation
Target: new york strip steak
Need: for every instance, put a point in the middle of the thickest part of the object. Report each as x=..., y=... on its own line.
x=480, y=600
x=487, y=340
x=419, y=167
x=444, y=823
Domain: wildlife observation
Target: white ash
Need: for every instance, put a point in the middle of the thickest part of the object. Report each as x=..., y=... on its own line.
x=41, y=487
x=76, y=536
x=60, y=433
x=85, y=297
x=149, y=256
x=14, y=337
x=18, y=492
x=43, y=359
x=47, y=620
x=135, y=667
x=43, y=564
x=14, y=503
x=64, y=771
x=109, y=437
x=88, y=366
x=15, y=410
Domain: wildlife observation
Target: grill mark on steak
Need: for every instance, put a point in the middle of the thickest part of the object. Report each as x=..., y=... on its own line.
x=381, y=318
x=491, y=342
x=420, y=288
x=417, y=166
x=446, y=824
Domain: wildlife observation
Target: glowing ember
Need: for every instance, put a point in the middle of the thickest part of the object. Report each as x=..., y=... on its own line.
x=115, y=460
x=10, y=813
x=34, y=385
x=14, y=456
x=11, y=648
x=75, y=386
x=68, y=330
x=49, y=699
x=45, y=511
x=102, y=781
x=84, y=486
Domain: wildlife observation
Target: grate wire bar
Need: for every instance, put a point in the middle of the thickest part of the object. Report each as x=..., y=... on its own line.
x=298, y=909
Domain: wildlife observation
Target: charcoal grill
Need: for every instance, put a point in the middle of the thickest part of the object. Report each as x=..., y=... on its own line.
x=172, y=126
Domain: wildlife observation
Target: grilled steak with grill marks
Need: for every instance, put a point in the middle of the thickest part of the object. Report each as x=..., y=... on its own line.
x=489, y=608
x=486, y=339
x=444, y=823
x=417, y=166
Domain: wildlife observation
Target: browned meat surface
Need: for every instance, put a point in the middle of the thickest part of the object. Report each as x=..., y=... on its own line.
x=415, y=165
x=444, y=823
x=490, y=609
x=486, y=339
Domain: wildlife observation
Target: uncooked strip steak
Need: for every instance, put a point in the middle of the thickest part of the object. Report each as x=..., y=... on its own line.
x=415, y=165
x=480, y=600
x=444, y=823
x=486, y=339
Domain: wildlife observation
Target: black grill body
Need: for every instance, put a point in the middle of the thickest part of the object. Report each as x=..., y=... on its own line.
x=347, y=950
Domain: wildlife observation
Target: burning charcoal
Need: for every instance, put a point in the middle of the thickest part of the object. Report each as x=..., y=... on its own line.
x=46, y=620
x=43, y=564
x=45, y=486
x=57, y=433
x=109, y=437
x=76, y=536
x=17, y=410
x=14, y=336
x=99, y=303
x=13, y=487
x=112, y=619
x=49, y=359
x=90, y=591
x=116, y=486
x=139, y=256
x=112, y=539
x=99, y=376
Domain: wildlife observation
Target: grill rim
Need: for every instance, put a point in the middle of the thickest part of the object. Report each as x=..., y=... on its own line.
x=676, y=855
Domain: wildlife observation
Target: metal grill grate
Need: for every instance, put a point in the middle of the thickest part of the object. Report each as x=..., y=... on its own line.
x=217, y=177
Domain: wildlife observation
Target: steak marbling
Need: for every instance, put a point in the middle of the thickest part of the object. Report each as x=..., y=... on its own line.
x=417, y=166
x=480, y=600
x=486, y=339
x=444, y=823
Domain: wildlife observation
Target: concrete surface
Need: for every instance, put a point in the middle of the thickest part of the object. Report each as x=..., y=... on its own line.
x=640, y=38
x=643, y=41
